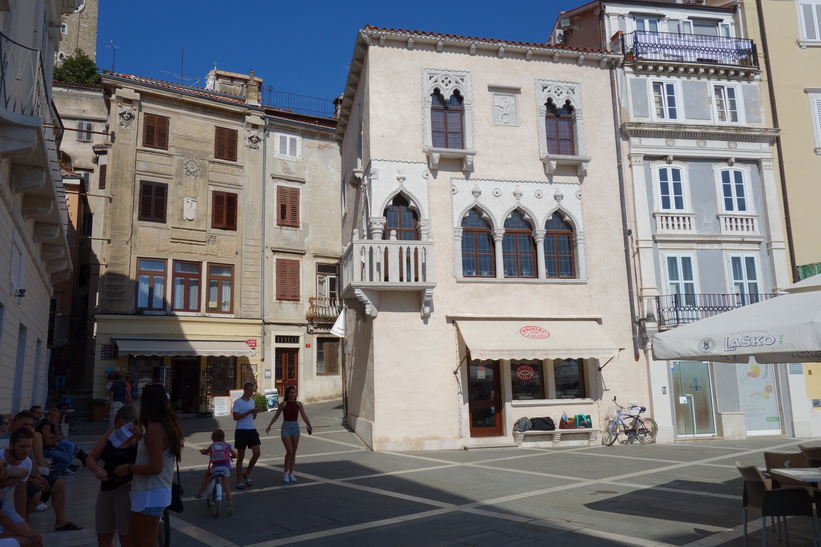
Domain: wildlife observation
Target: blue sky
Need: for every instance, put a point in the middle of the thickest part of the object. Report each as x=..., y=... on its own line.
x=295, y=46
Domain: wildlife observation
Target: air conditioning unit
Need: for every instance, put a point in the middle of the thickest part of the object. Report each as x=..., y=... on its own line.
x=564, y=22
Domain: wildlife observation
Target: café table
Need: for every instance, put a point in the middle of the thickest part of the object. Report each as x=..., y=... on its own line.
x=803, y=474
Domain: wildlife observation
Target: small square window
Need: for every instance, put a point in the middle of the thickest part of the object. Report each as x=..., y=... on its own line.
x=153, y=199
x=288, y=146
x=225, y=143
x=155, y=131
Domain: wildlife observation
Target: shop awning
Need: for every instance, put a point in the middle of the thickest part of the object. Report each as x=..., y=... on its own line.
x=178, y=348
x=582, y=339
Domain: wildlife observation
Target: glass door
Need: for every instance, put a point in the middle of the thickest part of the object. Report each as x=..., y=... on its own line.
x=485, y=399
x=692, y=398
x=759, y=398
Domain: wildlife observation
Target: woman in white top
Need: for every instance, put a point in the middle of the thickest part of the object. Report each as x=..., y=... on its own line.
x=159, y=448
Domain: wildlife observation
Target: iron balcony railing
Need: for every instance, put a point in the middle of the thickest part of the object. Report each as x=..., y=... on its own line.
x=299, y=104
x=688, y=48
x=23, y=87
x=679, y=309
x=323, y=310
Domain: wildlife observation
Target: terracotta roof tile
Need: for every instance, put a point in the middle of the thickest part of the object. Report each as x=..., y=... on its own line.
x=180, y=87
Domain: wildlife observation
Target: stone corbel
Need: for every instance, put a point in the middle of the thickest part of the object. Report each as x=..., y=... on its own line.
x=16, y=140
x=357, y=177
x=59, y=265
x=37, y=206
x=27, y=178
x=427, y=303
x=377, y=226
x=581, y=169
x=46, y=231
x=433, y=160
x=51, y=251
x=57, y=277
x=369, y=299
x=550, y=166
x=552, y=161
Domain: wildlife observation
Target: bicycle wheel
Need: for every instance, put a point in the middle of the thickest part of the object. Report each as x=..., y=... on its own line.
x=646, y=430
x=209, y=493
x=610, y=434
x=217, y=495
x=73, y=425
x=164, y=537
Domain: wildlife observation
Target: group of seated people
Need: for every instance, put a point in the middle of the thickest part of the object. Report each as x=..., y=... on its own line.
x=27, y=480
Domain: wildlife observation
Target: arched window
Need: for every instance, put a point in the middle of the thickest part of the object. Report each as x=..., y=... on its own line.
x=447, y=120
x=559, y=128
x=518, y=247
x=559, y=259
x=478, y=257
x=402, y=219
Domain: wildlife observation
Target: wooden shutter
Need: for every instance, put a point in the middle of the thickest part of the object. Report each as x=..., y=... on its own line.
x=101, y=180
x=288, y=206
x=162, y=132
x=218, y=210
x=155, y=132
x=225, y=144
x=159, y=202
x=287, y=279
x=153, y=197
x=230, y=211
x=146, y=200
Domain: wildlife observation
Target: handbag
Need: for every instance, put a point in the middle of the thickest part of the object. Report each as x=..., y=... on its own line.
x=176, y=494
x=567, y=423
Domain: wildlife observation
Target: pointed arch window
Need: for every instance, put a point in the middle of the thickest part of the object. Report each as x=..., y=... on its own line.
x=518, y=247
x=559, y=128
x=478, y=257
x=447, y=120
x=559, y=257
x=402, y=219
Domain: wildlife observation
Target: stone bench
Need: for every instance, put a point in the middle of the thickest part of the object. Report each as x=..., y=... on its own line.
x=569, y=437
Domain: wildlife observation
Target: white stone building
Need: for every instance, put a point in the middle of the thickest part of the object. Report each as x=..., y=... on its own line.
x=484, y=271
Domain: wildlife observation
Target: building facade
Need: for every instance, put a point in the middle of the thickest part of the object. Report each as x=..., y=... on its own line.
x=483, y=272
x=79, y=31
x=706, y=218
x=33, y=216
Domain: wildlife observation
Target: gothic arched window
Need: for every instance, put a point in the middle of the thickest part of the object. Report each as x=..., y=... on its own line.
x=478, y=257
x=558, y=124
x=559, y=257
x=447, y=120
x=518, y=247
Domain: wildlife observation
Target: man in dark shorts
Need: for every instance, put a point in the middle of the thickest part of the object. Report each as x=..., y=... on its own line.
x=246, y=435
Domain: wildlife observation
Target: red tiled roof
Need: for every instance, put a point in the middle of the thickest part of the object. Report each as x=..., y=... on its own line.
x=483, y=40
x=68, y=84
x=179, y=87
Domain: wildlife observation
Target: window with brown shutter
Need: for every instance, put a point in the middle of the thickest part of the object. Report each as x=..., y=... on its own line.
x=153, y=197
x=288, y=206
x=101, y=180
x=225, y=144
x=287, y=279
x=155, y=132
x=224, y=210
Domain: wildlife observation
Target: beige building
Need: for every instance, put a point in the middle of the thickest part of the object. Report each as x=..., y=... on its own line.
x=484, y=269
x=33, y=217
x=79, y=30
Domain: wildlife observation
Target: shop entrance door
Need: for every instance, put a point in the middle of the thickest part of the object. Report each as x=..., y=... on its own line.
x=286, y=369
x=485, y=399
x=185, y=385
x=692, y=398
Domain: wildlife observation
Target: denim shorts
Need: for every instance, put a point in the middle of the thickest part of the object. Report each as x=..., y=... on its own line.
x=152, y=511
x=290, y=429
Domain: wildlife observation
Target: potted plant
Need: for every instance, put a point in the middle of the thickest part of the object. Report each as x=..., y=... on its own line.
x=628, y=56
x=97, y=407
x=261, y=402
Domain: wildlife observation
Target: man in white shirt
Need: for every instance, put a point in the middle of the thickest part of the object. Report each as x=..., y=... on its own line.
x=246, y=435
x=15, y=460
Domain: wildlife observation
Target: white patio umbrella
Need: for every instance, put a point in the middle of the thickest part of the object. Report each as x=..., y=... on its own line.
x=784, y=329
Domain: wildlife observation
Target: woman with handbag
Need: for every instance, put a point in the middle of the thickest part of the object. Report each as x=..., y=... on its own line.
x=159, y=449
x=113, y=500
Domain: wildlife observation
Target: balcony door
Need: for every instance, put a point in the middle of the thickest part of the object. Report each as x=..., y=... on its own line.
x=402, y=219
x=485, y=399
x=744, y=279
x=692, y=399
x=681, y=288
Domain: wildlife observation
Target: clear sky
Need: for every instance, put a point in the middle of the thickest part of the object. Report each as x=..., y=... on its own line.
x=295, y=46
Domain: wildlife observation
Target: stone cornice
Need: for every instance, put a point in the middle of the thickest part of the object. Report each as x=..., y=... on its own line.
x=679, y=68
x=675, y=130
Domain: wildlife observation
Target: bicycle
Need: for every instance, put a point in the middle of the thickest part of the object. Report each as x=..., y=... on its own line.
x=214, y=494
x=71, y=421
x=164, y=537
x=641, y=429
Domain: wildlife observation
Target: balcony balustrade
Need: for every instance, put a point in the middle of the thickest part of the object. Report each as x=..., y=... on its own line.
x=679, y=309
x=738, y=224
x=373, y=265
x=323, y=311
x=23, y=87
x=667, y=223
x=698, y=49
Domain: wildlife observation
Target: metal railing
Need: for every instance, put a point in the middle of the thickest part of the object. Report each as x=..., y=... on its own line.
x=689, y=48
x=23, y=87
x=679, y=309
x=389, y=262
x=323, y=310
x=299, y=104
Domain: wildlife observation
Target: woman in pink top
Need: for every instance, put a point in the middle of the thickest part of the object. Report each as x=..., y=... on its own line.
x=291, y=410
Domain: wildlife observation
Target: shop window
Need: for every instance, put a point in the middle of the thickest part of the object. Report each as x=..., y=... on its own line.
x=569, y=379
x=527, y=380
x=144, y=370
x=327, y=356
x=220, y=288
x=150, y=284
x=219, y=374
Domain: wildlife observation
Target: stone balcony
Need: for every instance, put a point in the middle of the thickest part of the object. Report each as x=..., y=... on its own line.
x=371, y=266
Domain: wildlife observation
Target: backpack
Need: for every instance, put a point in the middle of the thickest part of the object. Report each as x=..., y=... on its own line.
x=220, y=454
x=522, y=424
x=543, y=424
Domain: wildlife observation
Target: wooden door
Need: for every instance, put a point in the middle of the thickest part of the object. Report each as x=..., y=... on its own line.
x=485, y=399
x=286, y=370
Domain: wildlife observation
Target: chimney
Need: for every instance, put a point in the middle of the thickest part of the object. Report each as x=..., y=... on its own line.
x=252, y=90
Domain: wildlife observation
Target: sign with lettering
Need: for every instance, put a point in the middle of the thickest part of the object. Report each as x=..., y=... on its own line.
x=222, y=406
x=109, y=352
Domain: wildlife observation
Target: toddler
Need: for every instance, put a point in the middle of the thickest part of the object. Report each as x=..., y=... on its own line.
x=220, y=455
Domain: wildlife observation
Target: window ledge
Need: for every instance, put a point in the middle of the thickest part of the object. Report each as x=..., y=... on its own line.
x=464, y=154
x=818, y=151
x=528, y=280
x=552, y=161
x=803, y=44
x=524, y=403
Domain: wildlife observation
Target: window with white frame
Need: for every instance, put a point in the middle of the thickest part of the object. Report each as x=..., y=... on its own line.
x=287, y=146
x=16, y=269
x=725, y=102
x=734, y=192
x=448, y=117
x=681, y=281
x=83, y=131
x=815, y=110
x=809, y=12
x=665, y=100
x=648, y=24
x=680, y=26
x=744, y=279
x=560, y=123
x=671, y=189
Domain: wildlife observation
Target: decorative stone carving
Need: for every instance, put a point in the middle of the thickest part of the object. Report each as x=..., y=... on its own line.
x=467, y=163
x=670, y=142
x=400, y=176
x=427, y=303
x=126, y=117
x=377, y=226
x=453, y=189
x=254, y=140
x=433, y=160
x=701, y=143
x=211, y=239
x=476, y=191
x=558, y=195
x=538, y=194
x=504, y=109
x=191, y=166
x=497, y=192
x=517, y=193
x=189, y=211
x=732, y=145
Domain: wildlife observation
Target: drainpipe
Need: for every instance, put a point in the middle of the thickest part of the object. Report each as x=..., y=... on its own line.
x=781, y=173
x=262, y=250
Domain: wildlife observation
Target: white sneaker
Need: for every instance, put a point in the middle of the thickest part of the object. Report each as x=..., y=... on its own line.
x=291, y=476
x=41, y=507
x=286, y=477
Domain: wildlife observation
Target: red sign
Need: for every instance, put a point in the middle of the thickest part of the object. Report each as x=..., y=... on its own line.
x=251, y=343
x=525, y=372
x=532, y=331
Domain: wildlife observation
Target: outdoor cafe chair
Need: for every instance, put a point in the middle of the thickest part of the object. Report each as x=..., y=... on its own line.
x=760, y=495
x=813, y=454
x=787, y=460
